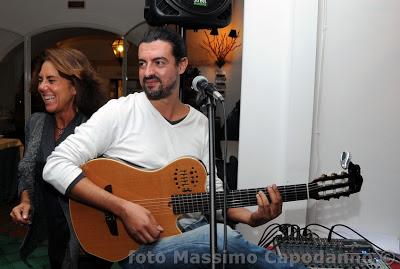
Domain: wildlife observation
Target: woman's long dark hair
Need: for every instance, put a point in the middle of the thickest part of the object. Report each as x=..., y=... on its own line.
x=74, y=66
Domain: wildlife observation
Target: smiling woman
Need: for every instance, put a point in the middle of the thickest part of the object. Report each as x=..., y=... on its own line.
x=63, y=71
x=71, y=92
x=58, y=95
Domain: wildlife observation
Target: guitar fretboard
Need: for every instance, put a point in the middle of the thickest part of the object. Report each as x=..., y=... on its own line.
x=199, y=202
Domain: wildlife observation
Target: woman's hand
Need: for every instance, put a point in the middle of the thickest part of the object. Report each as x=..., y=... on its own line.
x=20, y=214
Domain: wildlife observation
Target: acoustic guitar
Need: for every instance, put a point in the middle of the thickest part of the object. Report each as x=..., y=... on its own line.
x=175, y=189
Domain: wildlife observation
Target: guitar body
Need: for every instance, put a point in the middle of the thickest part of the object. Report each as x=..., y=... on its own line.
x=175, y=189
x=150, y=188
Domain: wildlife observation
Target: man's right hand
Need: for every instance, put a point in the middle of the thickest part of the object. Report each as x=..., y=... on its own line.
x=140, y=223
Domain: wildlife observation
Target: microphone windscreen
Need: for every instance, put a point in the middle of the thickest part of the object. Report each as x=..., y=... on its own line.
x=196, y=81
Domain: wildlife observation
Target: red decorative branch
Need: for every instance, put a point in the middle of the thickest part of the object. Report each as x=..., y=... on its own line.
x=219, y=46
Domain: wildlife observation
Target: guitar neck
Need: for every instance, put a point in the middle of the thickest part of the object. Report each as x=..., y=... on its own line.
x=199, y=202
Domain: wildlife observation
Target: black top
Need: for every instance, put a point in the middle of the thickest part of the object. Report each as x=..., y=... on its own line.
x=58, y=231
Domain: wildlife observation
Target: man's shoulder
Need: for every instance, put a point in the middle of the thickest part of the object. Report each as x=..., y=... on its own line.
x=197, y=114
x=124, y=101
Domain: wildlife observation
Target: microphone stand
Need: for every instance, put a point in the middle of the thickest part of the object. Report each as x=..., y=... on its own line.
x=212, y=182
x=212, y=97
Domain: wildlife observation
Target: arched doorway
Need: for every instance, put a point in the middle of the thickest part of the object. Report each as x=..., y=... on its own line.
x=94, y=43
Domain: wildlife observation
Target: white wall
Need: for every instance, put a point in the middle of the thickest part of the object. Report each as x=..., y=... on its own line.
x=200, y=58
x=355, y=108
x=358, y=111
x=277, y=98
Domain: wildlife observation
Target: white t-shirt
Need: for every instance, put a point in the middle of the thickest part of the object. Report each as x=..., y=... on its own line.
x=131, y=129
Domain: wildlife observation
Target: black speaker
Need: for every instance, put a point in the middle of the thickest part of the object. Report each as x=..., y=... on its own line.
x=191, y=14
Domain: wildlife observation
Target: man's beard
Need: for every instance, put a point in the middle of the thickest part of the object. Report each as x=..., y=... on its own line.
x=158, y=93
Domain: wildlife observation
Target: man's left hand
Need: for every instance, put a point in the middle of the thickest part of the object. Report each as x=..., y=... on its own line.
x=267, y=210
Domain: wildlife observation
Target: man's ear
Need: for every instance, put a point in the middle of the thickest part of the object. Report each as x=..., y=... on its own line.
x=183, y=63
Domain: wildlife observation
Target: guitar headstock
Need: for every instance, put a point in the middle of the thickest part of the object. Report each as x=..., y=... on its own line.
x=337, y=185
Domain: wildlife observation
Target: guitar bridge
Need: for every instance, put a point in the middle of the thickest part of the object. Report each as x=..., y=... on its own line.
x=110, y=218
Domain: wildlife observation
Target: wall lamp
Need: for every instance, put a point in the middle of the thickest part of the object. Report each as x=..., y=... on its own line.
x=118, y=49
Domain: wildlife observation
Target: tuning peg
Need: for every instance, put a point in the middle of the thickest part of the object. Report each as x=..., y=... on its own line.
x=345, y=159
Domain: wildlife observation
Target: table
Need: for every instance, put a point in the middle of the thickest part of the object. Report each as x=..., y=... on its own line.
x=11, y=143
x=11, y=151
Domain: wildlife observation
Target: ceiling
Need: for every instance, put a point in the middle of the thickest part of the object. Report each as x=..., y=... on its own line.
x=32, y=17
x=48, y=23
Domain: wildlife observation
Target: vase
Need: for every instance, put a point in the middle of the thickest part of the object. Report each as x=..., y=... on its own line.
x=220, y=79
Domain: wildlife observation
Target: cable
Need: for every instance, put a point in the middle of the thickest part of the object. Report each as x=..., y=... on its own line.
x=292, y=231
x=270, y=241
x=383, y=256
x=329, y=229
x=263, y=241
x=262, y=238
x=295, y=230
x=354, y=231
x=224, y=209
x=286, y=229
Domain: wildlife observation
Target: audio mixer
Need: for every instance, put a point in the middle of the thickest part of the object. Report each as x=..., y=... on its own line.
x=333, y=253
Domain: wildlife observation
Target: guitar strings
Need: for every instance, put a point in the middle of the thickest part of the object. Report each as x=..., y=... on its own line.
x=193, y=205
x=290, y=192
x=196, y=196
x=199, y=201
x=250, y=193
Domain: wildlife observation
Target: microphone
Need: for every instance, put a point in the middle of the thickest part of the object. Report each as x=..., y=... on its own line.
x=200, y=84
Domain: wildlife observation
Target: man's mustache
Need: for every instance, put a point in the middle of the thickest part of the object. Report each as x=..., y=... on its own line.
x=152, y=77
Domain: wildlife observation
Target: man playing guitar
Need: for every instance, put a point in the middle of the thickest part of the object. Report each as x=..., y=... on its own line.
x=151, y=129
